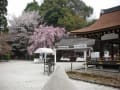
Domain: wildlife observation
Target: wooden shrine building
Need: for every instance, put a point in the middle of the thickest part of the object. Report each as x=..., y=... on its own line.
x=73, y=49
x=106, y=32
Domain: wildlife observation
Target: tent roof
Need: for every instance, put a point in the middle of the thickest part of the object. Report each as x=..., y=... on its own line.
x=44, y=50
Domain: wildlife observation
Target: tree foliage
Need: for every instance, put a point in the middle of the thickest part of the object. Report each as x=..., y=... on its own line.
x=21, y=28
x=71, y=22
x=26, y=22
x=45, y=36
x=5, y=48
x=70, y=14
x=3, y=13
x=91, y=22
x=80, y=8
x=33, y=6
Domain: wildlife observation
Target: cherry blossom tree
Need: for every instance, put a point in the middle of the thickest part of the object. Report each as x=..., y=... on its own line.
x=20, y=29
x=45, y=36
x=26, y=22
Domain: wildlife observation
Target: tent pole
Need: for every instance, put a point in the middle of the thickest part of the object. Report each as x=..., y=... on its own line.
x=55, y=58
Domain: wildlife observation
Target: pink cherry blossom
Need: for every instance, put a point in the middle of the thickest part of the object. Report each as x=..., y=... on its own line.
x=45, y=36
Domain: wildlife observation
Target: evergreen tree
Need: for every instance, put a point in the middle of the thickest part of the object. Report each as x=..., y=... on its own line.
x=71, y=14
x=3, y=13
x=33, y=6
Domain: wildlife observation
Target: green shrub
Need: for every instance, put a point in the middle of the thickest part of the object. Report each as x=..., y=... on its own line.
x=5, y=57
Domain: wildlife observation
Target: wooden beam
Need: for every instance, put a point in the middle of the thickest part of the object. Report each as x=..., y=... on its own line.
x=119, y=43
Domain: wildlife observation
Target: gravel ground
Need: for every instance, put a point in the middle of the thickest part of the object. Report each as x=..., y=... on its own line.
x=25, y=75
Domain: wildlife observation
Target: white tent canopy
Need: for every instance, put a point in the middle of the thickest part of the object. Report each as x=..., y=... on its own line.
x=44, y=50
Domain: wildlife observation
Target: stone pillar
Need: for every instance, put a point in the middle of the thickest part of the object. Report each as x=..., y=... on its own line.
x=85, y=58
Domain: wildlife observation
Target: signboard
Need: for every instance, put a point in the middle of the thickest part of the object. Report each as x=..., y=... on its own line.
x=63, y=46
x=106, y=54
x=95, y=54
x=109, y=36
x=80, y=46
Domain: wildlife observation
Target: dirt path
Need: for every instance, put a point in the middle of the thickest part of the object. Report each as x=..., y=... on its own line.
x=100, y=77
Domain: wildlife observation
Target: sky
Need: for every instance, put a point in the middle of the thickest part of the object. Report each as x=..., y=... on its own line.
x=16, y=7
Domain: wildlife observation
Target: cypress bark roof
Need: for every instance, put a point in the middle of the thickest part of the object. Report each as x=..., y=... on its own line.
x=110, y=18
x=75, y=41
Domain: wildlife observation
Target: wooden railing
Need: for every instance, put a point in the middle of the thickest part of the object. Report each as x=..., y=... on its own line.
x=103, y=61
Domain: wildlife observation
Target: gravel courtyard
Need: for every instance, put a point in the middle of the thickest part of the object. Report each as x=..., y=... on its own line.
x=25, y=75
